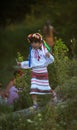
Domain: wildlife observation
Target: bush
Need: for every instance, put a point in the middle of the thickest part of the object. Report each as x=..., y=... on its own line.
x=66, y=110
x=63, y=78
x=23, y=84
x=58, y=71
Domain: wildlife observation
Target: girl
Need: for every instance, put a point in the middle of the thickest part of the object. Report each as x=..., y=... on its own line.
x=39, y=59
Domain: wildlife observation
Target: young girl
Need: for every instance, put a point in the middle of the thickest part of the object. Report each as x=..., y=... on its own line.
x=39, y=59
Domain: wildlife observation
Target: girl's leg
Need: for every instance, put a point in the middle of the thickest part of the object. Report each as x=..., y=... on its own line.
x=34, y=98
x=54, y=96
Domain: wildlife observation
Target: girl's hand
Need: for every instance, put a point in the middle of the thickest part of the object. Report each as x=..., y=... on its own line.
x=47, y=55
x=19, y=63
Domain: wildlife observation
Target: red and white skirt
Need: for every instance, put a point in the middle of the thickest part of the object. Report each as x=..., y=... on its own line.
x=39, y=82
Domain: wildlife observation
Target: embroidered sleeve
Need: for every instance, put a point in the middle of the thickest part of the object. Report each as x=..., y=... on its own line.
x=49, y=60
x=25, y=65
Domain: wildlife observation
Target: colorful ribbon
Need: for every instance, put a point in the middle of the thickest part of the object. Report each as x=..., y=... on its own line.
x=30, y=56
x=46, y=45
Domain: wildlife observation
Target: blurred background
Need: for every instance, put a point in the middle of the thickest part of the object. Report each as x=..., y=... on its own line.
x=18, y=18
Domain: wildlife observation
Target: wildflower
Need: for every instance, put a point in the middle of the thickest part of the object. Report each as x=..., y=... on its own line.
x=29, y=121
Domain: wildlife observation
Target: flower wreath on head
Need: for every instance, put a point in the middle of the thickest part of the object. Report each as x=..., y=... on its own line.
x=34, y=36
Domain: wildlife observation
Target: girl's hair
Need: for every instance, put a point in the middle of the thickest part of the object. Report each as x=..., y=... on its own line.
x=35, y=37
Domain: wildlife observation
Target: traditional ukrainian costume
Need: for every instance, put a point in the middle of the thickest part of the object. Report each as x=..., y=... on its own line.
x=39, y=63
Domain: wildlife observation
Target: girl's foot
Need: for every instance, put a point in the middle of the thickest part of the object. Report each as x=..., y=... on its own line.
x=35, y=106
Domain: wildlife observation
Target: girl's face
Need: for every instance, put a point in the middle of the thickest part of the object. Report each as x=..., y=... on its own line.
x=36, y=45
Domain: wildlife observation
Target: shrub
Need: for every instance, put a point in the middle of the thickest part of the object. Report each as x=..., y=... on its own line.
x=58, y=71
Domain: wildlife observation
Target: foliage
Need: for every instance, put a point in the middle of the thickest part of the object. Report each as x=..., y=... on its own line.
x=62, y=73
x=63, y=77
x=13, y=35
x=72, y=68
x=23, y=85
x=19, y=57
x=66, y=110
x=60, y=50
x=4, y=109
x=59, y=70
x=73, y=47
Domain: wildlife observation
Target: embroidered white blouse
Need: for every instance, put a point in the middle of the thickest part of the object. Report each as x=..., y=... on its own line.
x=38, y=59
